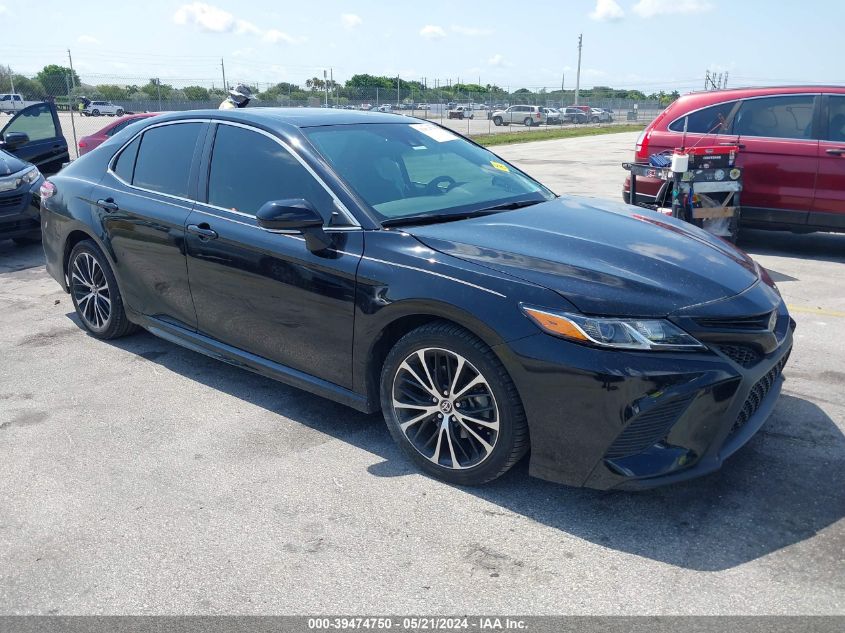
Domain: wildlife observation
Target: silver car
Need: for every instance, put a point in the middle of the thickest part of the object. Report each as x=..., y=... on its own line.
x=526, y=114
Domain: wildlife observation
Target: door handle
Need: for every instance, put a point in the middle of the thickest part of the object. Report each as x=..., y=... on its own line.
x=108, y=205
x=204, y=231
x=836, y=151
x=739, y=145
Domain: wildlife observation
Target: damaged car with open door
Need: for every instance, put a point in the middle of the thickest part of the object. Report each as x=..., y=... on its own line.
x=31, y=146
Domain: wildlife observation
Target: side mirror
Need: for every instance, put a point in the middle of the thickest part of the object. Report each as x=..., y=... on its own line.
x=294, y=214
x=15, y=139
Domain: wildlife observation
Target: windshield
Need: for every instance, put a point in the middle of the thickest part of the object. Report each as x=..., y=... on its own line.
x=403, y=170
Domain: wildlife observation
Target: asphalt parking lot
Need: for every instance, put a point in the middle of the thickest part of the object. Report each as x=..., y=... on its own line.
x=142, y=478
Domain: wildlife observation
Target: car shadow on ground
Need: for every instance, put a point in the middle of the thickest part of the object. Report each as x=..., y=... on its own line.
x=14, y=257
x=776, y=492
x=819, y=246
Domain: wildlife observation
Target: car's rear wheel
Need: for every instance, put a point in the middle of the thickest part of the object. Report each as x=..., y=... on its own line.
x=451, y=406
x=497, y=121
x=94, y=292
x=528, y=122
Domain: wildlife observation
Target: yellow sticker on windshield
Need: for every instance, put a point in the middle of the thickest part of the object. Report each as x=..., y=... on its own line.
x=499, y=166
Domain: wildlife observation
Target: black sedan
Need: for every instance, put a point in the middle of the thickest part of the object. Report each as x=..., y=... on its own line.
x=392, y=265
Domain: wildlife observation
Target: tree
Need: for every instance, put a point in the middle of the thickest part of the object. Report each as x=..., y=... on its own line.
x=112, y=92
x=155, y=87
x=195, y=93
x=57, y=79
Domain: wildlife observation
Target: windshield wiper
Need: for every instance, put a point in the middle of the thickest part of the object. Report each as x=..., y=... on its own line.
x=433, y=218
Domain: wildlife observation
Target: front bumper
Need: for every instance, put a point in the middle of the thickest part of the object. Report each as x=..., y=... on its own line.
x=625, y=420
x=20, y=211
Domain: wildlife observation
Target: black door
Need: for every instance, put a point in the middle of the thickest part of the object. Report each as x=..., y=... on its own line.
x=264, y=292
x=45, y=147
x=143, y=203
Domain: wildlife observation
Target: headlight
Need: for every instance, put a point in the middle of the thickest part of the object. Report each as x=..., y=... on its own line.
x=29, y=177
x=640, y=334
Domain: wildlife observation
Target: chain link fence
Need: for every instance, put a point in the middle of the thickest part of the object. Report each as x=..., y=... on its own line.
x=87, y=104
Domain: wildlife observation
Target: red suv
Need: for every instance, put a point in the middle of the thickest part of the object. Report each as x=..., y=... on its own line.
x=792, y=149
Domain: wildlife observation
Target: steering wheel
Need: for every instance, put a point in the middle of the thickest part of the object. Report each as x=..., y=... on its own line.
x=435, y=185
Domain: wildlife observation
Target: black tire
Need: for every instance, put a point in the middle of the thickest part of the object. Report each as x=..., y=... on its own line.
x=119, y=112
x=528, y=122
x=510, y=443
x=497, y=121
x=95, y=113
x=595, y=119
x=28, y=240
x=117, y=323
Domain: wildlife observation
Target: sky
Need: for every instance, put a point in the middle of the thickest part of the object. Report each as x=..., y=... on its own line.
x=650, y=45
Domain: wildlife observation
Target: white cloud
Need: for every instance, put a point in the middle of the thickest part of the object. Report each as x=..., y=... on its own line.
x=85, y=39
x=3, y=9
x=243, y=27
x=651, y=8
x=350, y=20
x=216, y=20
x=470, y=31
x=432, y=32
x=204, y=16
x=607, y=11
x=274, y=36
x=496, y=60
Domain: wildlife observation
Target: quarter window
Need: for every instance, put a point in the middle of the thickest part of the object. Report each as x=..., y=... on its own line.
x=712, y=120
x=776, y=117
x=125, y=163
x=249, y=169
x=165, y=157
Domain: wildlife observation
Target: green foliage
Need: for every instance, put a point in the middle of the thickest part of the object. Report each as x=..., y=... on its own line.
x=111, y=92
x=56, y=80
x=195, y=93
x=154, y=88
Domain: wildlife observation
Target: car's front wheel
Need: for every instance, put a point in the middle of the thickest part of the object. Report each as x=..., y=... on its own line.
x=94, y=292
x=119, y=112
x=451, y=406
x=497, y=121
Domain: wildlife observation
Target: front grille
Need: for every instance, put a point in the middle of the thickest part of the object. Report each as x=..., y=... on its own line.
x=757, y=322
x=11, y=202
x=649, y=428
x=758, y=393
x=741, y=354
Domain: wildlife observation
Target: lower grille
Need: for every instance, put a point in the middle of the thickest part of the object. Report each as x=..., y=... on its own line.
x=11, y=202
x=758, y=393
x=649, y=428
x=742, y=355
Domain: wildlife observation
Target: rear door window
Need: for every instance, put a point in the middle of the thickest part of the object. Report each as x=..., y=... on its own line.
x=125, y=163
x=787, y=116
x=712, y=120
x=165, y=158
x=836, y=119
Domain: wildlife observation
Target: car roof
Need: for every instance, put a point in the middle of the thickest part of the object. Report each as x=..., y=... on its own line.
x=702, y=98
x=297, y=117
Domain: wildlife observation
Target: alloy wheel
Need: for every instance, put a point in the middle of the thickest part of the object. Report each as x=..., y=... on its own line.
x=90, y=290
x=445, y=408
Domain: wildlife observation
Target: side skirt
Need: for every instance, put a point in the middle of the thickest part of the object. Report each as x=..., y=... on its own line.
x=251, y=362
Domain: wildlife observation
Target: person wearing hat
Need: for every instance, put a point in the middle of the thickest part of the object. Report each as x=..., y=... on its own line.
x=239, y=97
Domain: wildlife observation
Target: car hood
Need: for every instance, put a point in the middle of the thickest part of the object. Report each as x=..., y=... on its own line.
x=10, y=164
x=606, y=258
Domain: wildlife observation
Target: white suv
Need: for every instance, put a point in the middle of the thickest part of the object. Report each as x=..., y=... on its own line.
x=96, y=108
x=526, y=114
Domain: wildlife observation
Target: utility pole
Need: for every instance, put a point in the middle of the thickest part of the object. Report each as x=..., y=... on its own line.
x=331, y=81
x=578, y=75
x=397, y=90
x=326, y=86
x=223, y=68
x=707, y=79
x=70, y=61
x=725, y=85
x=158, y=85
